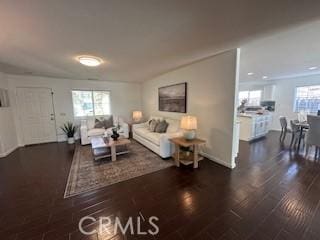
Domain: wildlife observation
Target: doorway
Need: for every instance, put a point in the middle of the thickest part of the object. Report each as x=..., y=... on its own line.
x=37, y=116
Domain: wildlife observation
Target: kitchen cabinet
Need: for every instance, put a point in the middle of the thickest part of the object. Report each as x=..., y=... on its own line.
x=253, y=126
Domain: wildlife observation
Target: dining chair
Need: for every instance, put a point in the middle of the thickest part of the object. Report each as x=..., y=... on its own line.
x=284, y=128
x=313, y=134
x=302, y=116
x=295, y=131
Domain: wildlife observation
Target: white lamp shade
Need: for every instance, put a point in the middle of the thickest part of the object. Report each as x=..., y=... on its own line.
x=188, y=122
x=137, y=115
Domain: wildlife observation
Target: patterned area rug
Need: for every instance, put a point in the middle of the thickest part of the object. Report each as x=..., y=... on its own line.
x=86, y=175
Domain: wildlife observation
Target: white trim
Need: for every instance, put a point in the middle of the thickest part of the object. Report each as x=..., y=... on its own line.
x=63, y=138
x=217, y=160
x=6, y=153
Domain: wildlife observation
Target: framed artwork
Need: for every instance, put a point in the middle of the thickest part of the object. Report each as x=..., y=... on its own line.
x=173, y=98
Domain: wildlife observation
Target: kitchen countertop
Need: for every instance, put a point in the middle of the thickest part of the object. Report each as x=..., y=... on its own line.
x=252, y=115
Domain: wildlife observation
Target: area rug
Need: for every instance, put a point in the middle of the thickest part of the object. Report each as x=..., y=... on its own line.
x=86, y=174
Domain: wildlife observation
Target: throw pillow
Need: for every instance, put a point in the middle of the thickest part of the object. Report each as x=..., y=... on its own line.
x=149, y=124
x=99, y=123
x=153, y=125
x=162, y=127
x=108, y=122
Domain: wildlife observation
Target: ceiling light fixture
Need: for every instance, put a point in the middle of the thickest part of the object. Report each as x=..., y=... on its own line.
x=90, y=61
x=264, y=77
x=250, y=73
x=313, y=68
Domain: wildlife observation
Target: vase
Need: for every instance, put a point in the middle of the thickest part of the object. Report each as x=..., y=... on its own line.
x=71, y=140
x=115, y=135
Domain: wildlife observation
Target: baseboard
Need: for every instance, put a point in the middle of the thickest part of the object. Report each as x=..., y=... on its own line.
x=217, y=160
x=275, y=130
x=63, y=138
x=6, y=153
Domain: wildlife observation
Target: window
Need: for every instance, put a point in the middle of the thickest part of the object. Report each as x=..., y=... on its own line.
x=307, y=99
x=253, y=97
x=91, y=103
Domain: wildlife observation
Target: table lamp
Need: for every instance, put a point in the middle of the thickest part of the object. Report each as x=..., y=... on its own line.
x=189, y=124
x=136, y=115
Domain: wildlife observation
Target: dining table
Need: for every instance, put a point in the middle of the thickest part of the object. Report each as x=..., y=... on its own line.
x=303, y=126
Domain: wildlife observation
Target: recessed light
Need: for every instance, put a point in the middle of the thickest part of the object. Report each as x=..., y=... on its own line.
x=313, y=68
x=264, y=77
x=90, y=61
x=250, y=73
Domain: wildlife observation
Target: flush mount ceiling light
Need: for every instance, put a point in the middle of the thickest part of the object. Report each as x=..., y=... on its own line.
x=264, y=77
x=89, y=61
x=250, y=73
x=313, y=68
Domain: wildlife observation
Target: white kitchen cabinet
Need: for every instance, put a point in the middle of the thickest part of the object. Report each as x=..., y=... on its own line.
x=253, y=126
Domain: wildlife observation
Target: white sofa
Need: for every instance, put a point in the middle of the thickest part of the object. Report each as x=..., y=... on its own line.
x=157, y=142
x=87, y=129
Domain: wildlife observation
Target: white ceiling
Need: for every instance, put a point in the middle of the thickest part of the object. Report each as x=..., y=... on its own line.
x=286, y=54
x=139, y=39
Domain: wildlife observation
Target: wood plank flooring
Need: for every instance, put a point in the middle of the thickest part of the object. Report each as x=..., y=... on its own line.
x=274, y=193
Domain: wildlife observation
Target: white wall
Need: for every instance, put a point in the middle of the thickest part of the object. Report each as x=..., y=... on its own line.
x=8, y=136
x=125, y=97
x=211, y=97
x=285, y=95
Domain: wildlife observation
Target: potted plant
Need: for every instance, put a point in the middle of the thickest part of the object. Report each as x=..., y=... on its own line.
x=69, y=129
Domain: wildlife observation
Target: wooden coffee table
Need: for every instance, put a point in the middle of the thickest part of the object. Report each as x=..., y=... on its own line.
x=103, y=147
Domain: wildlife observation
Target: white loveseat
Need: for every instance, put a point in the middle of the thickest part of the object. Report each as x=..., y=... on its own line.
x=157, y=142
x=87, y=129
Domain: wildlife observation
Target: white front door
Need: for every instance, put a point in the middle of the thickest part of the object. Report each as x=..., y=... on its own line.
x=37, y=115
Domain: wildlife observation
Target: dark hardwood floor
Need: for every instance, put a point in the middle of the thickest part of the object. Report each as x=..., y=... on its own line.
x=273, y=193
